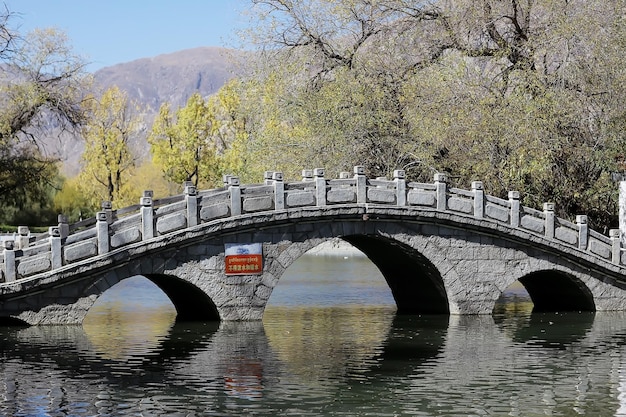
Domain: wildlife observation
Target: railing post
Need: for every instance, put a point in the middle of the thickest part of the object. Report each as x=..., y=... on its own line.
x=56, y=255
x=307, y=175
x=320, y=186
x=191, y=199
x=147, y=216
x=344, y=175
x=235, y=196
x=515, y=208
x=616, y=246
x=226, y=179
x=548, y=209
x=22, y=240
x=441, y=191
x=479, y=199
x=107, y=207
x=361, y=184
x=583, y=231
x=102, y=230
x=64, y=226
x=279, y=191
x=9, y=261
x=268, y=177
x=399, y=179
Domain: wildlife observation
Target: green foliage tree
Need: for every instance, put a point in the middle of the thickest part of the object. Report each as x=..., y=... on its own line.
x=183, y=143
x=521, y=95
x=41, y=89
x=107, y=158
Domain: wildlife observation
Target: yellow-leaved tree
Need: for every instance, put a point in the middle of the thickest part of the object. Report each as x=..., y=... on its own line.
x=107, y=160
x=183, y=144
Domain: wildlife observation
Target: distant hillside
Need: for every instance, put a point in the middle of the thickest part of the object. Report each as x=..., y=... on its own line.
x=172, y=77
x=151, y=82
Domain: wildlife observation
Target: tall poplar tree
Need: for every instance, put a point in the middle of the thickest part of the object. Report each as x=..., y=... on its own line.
x=107, y=158
x=183, y=144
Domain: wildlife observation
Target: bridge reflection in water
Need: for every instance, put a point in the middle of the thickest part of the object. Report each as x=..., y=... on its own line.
x=311, y=357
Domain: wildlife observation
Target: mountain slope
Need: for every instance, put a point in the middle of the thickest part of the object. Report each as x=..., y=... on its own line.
x=171, y=77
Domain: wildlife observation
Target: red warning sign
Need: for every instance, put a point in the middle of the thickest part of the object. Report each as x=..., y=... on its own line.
x=244, y=259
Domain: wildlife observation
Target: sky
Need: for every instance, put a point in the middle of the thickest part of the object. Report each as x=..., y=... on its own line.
x=109, y=32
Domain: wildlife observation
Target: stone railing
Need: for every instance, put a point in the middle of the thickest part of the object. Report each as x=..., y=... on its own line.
x=112, y=229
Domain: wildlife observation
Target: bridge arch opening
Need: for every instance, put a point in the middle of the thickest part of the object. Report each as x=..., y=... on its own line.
x=334, y=274
x=190, y=302
x=163, y=293
x=415, y=283
x=555, y=291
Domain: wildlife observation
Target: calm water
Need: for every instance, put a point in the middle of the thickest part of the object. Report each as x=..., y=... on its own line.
x=330, y=345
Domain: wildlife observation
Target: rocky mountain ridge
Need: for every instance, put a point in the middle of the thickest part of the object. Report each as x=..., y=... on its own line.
x=150, y=82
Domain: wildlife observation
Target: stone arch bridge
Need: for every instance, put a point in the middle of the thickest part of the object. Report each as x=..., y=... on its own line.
x=440, y=249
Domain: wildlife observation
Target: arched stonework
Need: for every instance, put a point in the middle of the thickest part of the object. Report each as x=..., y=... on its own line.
x=434, y=262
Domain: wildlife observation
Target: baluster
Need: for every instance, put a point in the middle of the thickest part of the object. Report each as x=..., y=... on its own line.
x=64, y=227
x=56, y=254
x=399, y=179
x=22, y=240
x=147, y=216
x=9, y=261
x=515, y=208
x=107, y=207
x=235, y=196
x=479, y=199
x=191, y=199
x=616, y=246
x=583, y=231
x=320, y=186
x=361, y=184
x=548, y=209
x=279, y=191
x=441, y=191
x=102, y=230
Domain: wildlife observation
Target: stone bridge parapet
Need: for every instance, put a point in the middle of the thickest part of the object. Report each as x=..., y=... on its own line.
x=66, y=244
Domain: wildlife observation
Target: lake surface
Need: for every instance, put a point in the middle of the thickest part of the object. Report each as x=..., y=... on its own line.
x=330, y=344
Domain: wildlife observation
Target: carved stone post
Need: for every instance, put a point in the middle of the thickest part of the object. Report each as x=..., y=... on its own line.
x=56, y=254
x=441, y=191
x=21, y=240
x=361, y=184
x=399, y=179
x=102, y=230
x=515, y=208
x=279, y=191
x=235, y=196
x=268, y=177
x=320, y=186
x=583, y=231
x=616, y=246
x=9, y=261
x=64, y=227
x=107, y=208
x=548, y=210
x=147, y=216
x=191, y=199
x=307, y=175
x=479, y=199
